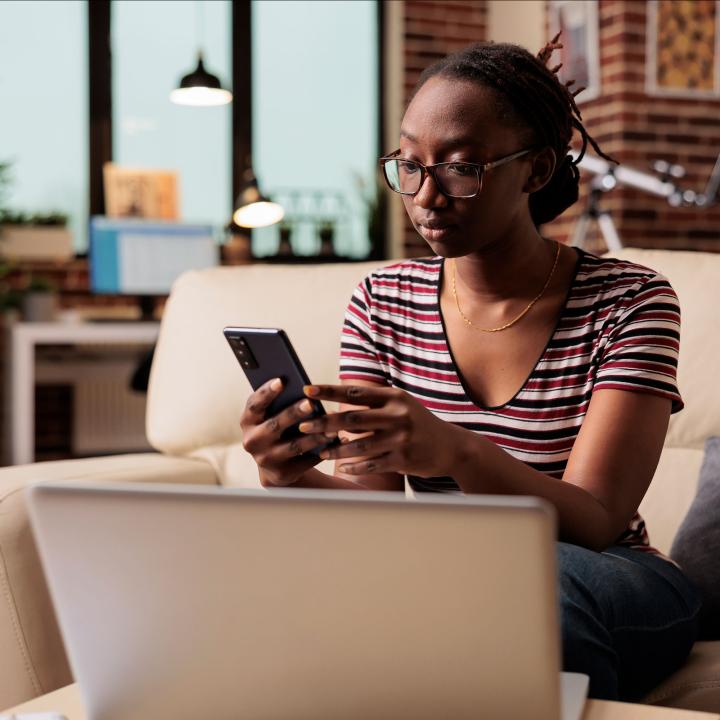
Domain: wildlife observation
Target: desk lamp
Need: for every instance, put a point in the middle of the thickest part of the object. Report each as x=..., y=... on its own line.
x=252, y=208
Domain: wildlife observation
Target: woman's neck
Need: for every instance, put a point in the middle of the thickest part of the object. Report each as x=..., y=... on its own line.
x=513, y=267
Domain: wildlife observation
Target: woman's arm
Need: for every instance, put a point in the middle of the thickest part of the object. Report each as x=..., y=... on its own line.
x=610, y=467
x=609, y=470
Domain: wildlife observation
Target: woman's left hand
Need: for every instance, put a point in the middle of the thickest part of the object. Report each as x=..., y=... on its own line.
x=406, y=437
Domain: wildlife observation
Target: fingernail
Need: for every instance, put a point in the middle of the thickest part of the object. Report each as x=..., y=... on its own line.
x=344, y=468
x=311, y=390
x=306, y=406
x=276, y=384
x=305, y=427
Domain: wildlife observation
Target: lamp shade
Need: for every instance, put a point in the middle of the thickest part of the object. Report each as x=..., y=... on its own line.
x=252, y=208
x=200, y=88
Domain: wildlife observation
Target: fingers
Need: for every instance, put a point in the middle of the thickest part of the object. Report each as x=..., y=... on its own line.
x=267, y=433
x=295, y=448
x=370, y=466
x=288, y=473
x=253, y=419
x=355, y=421
x=351, y=394
x=260, y=400
x=370, y=445
x=288, y=417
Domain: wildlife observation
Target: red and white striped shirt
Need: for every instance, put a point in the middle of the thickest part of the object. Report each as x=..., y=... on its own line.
x=619, y=328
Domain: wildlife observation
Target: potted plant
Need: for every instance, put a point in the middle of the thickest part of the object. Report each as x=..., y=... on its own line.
x=326, y=233
x=4, y=182
x=374, y=196
x=285, y=248
x=38, y=300
x=31, y=236
x=35, y=236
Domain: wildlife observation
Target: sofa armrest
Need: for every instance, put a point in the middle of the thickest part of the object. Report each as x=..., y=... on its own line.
x=32, y=656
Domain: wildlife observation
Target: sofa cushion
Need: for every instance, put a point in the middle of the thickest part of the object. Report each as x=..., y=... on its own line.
x=670, y=494
x=696, y=686
x=697, y=544
x=235, y=467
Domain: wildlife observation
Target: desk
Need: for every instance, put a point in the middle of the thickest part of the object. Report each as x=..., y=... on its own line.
x=20, y=377
x=67, y=701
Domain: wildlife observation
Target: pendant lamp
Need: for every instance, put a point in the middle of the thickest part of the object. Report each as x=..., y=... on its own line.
x=252, y=208
x=199, y=87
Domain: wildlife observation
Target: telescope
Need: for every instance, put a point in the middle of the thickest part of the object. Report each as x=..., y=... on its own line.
x=664, y=184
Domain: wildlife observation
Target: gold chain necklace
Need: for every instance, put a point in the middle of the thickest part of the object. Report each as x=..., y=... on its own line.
x=471, y=324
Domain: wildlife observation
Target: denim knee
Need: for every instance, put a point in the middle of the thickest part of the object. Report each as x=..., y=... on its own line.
x=628, y=618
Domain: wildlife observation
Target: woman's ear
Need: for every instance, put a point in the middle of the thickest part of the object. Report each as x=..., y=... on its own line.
x=542, y=167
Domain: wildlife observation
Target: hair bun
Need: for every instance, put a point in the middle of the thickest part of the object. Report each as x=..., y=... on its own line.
x=558, y=194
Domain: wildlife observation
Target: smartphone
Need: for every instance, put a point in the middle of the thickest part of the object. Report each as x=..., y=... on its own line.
x=267, y=353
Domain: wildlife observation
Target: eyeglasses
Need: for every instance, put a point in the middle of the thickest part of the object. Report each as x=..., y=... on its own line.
x=454, y=179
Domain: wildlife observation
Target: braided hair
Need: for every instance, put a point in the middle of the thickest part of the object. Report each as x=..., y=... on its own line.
x=531, y=97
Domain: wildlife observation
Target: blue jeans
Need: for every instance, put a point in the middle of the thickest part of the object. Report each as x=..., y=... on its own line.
x=628, y=619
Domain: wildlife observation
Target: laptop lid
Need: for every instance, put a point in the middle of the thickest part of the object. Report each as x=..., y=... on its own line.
x=224, y=603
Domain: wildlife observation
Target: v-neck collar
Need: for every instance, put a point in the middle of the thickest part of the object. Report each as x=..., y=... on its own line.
x=561, y=316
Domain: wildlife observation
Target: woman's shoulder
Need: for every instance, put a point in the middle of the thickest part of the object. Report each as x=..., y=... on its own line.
x=615, y=277
x=421, y=273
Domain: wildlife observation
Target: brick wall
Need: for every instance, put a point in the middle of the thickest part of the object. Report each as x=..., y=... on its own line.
x=630, y=125
x=636, y=129
x=432, y=29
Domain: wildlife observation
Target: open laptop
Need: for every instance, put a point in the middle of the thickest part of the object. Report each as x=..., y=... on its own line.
x=186, y=602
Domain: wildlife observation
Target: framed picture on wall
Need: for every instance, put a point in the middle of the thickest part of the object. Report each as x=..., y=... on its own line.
x=683, y=48
x=577, y=20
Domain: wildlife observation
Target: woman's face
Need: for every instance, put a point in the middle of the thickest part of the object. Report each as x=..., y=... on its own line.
x=457, y=120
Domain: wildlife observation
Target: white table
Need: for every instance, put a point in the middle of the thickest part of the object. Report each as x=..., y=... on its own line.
x=22, y=340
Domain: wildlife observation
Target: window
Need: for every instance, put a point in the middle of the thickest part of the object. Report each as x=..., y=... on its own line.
x=44, y=117
x=315, y=118
x=153, y=45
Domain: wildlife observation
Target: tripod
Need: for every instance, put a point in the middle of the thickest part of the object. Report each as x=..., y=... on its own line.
x=593, y=211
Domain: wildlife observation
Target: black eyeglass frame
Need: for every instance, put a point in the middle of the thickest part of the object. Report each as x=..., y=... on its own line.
x=425, y=170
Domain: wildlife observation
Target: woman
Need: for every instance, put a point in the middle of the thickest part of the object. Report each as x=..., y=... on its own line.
x=509, y=364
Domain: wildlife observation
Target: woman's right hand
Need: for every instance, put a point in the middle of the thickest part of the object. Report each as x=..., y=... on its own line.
x=280, y=462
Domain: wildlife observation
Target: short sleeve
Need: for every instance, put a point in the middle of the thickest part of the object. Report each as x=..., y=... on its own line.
x=643, y=342
x=359, y=358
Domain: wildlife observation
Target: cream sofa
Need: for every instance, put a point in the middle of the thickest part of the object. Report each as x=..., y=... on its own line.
x=196, y=394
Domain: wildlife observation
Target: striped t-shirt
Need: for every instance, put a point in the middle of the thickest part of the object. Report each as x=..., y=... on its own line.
x=619, y=328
